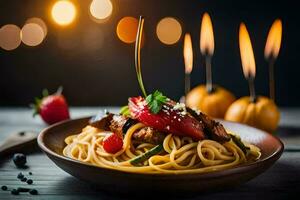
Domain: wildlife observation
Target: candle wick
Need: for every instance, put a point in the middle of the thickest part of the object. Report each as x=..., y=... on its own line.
x=272, y=78
x=252, y=89
x=209, y=87
x=187, y=83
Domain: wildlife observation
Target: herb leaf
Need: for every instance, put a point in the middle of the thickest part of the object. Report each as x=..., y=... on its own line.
x=125, y=111
x=237, y=140
x=155, y=101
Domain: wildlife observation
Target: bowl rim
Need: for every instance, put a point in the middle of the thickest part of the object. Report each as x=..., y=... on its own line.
x=238, y=169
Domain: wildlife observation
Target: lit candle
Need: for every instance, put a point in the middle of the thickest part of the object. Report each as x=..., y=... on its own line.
x=207, y=47
x=248, y=61
x=188, y=60
x=271, y=52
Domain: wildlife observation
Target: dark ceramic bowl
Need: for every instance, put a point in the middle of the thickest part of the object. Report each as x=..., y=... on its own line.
x=51, y=141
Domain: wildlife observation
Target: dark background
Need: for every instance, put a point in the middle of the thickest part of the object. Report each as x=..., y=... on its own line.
x=96, y=68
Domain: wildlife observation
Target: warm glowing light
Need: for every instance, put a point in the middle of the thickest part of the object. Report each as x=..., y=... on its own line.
x=274, y=40
x=63, y=12
x=32, y=34
x=10, y=37
x=168, y=30
x=246, y=51
x=188, y=53
x=127, y=29
x=40, y=22
x=207, y=43
x=101, y=9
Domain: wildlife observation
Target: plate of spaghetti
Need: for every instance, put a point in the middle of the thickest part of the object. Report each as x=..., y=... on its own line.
x=111, y=150
x=173, y=141
x=157, y=144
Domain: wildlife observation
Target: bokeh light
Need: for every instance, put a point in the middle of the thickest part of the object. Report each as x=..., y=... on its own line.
x=101, y=9
x=63, y=12
x=32, y=34
x=168, y=30
x=127, y=29
x=40, y=22
x=10, y=37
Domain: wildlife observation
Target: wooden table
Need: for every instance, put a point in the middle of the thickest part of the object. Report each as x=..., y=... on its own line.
x=279, y=182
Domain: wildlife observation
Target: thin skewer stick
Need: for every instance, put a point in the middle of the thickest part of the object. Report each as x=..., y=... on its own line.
x=137, y=57
x=209, y=87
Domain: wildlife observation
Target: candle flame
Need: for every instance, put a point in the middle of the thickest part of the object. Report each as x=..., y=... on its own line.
x=207, y=44
x=274, y=40
x=246, y=51
x=188, y=53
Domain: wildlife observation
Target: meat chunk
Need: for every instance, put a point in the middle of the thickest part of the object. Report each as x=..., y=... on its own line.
x=215, y=129
x=101, y=120
x=120, y=124
x=116, y=124
x=149, y=135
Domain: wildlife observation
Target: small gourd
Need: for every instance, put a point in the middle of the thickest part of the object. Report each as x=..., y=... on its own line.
x=214, y=104
x=262, y=113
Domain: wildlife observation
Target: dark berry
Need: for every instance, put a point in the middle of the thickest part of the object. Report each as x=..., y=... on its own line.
x=20, y=175
x=29, y=181
x=21, y=189
x=21, y=133
x=19, y=159
x=4, y=187
x=14, y=192
x=24, y=179
x=33, y=192
x=30, y=173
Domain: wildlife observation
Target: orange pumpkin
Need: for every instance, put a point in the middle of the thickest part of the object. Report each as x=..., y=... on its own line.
x=213, y=104
x=262, y=114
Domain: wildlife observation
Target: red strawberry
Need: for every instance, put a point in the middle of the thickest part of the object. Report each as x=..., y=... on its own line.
x=52, y=108
x=167, y=120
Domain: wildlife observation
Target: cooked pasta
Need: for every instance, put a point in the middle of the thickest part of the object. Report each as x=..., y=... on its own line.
x=179, y=155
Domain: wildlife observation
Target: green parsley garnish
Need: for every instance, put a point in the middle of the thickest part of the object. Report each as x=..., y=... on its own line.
x=125, y=111
x=155, y=101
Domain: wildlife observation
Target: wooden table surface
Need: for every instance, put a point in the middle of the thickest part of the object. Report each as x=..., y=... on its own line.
x=281, y=181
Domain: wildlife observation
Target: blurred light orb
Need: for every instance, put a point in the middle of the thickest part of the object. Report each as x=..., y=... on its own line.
x=63, y=12
x=168, y=30
x=101, y=9
x=10, y=37
x=40, y=22
x=32, y=34
x=127, y=29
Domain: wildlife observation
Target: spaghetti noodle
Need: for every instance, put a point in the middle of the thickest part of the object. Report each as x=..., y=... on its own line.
x=180, y=154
